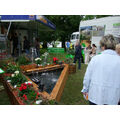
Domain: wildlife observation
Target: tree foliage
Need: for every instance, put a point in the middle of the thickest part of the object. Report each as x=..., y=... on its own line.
x=65, y=26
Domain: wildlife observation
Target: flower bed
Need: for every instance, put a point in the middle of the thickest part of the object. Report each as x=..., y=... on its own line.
x=27, y=93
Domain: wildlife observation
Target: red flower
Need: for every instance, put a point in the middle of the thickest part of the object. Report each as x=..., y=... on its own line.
x=29, y=84
x=24, y=87
x=38, y=93
x=55, y=59
x=36, y=96
x=24, y=84
x=25, y=97
x=20, y=88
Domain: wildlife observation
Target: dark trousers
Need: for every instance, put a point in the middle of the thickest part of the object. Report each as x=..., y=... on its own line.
x=79, y=62
x=38, y=52
x=14, y=48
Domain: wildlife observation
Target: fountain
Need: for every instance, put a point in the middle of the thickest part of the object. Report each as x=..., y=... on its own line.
x=45, y=80
x=49, y=80
x=33, y=54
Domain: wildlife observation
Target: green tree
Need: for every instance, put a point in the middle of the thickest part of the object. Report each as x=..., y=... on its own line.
x=65, y=25
x=89, y=17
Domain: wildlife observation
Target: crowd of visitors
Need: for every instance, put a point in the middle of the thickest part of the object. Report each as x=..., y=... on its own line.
x=22, y=44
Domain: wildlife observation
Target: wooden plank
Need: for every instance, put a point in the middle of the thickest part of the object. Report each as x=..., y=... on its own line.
x=58, y=89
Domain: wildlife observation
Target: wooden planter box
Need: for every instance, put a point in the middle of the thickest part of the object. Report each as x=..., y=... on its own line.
x=55, y=94
x=59, y=87
x=27, y=67
x=72, y=68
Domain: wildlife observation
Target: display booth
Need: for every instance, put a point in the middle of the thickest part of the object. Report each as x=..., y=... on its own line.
x=23, y=25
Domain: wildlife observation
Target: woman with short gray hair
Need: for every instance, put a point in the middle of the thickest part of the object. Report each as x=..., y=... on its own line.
x=102, y=78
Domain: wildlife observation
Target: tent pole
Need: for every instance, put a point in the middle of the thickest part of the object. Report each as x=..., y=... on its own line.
x=8, y=29
x=7, y=34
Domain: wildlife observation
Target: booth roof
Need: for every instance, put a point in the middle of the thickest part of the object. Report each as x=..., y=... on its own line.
x=19, y=20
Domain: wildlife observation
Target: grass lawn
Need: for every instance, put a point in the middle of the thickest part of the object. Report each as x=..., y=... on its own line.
x=72, y=92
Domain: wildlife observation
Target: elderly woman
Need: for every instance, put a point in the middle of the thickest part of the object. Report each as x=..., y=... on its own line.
x=102, y=78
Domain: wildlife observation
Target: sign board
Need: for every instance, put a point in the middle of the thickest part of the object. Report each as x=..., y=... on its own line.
x=1, y=71
x=116, y=24
x=17, y=17
x=98, y=30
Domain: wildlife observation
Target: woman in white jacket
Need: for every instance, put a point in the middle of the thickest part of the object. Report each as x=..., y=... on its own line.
x=102, y=78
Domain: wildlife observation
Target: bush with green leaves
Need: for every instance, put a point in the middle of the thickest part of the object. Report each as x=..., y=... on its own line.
x=23, y=60
x=42, y=51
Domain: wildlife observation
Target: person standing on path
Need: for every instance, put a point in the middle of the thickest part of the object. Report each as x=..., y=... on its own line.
x=37, y=46
x=26, y=45
x=78, y=54
x=15, y=43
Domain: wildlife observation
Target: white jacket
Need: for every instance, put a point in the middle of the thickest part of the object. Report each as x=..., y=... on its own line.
x=102, y=78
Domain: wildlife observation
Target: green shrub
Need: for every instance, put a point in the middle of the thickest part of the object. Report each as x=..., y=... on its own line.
x=42, y=51
x=23, y=60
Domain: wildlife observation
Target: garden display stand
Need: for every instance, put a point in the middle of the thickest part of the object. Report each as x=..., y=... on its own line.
x=56, y=92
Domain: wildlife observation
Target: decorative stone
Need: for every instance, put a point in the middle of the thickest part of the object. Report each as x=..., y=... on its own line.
x=15, y=86
x=8, y=81
x=38, y=101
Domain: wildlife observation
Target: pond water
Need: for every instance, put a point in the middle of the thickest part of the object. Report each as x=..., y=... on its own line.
x=46, y=80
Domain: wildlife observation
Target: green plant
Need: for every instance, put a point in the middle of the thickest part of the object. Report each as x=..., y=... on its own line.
x=17, y=78
x=49, y=102
x=71, y=52
x=32, y=95
x=42, y=51
x=69, y=56
x=23, y=60
x=11, y=68
x=38, y=61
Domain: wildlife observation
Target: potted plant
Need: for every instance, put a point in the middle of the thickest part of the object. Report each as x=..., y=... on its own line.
x=38, y=61
x=72, y=66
